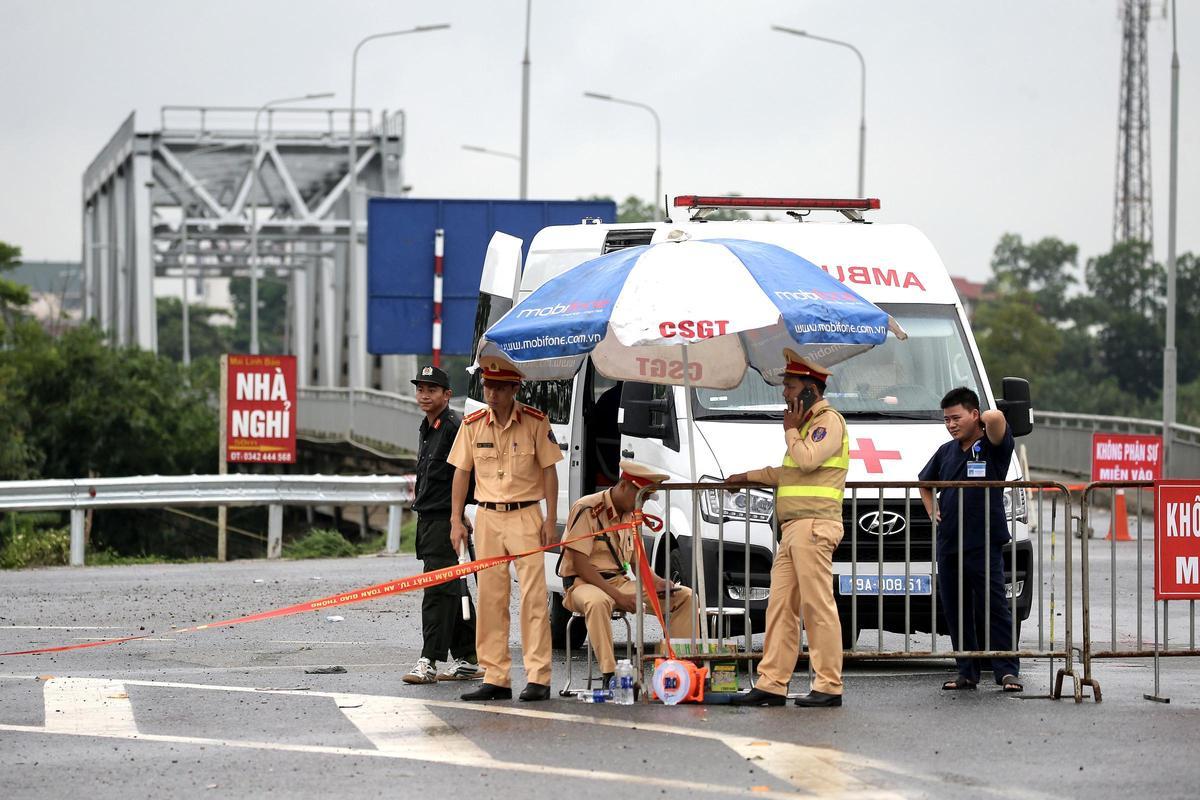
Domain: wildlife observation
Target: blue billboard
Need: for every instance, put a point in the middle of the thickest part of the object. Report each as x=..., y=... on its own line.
x=400, y=235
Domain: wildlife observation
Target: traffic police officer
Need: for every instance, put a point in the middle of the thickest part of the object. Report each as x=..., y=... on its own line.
x=598, y=572
x=808, y=501
x=442, y=626
x=512, y=451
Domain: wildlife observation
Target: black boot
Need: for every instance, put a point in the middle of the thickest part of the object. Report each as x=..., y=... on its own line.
x=757, y=697
x=489, y=691
x=815, y=699
x=533, y=692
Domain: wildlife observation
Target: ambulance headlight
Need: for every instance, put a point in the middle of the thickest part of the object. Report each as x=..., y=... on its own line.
x=1022, y=508
x=717, y=505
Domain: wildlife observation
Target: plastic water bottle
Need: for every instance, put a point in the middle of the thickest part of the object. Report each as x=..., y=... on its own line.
x=623, y=683
x=596, y=696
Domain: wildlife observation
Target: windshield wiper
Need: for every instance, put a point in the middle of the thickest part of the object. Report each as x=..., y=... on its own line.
x=926, y=416
x=721, y=415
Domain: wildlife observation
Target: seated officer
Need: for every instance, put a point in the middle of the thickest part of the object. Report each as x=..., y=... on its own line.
x=598, y=572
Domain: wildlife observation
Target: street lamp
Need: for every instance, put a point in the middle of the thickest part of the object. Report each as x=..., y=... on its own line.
x=862, y=101
x=477, y=149
x=524, y=157
x=254, y=168
x=657, y=139
x=357, y=287
x=1170, y=374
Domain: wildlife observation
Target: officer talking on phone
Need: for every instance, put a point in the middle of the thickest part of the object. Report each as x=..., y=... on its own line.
x=808, y=501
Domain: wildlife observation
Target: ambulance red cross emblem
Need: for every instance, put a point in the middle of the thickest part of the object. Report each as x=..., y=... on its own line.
x=873, y=458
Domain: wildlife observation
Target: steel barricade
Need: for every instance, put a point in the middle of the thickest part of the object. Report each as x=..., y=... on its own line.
x=1126, y=638
x=867, y=596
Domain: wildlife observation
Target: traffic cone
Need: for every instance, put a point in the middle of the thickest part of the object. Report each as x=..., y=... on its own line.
x=1118, y=528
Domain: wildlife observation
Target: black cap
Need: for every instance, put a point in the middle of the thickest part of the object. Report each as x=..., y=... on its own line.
x=431, y=374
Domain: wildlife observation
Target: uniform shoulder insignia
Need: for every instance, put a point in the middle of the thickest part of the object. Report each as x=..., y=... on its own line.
x=533, y=412
x=475, y=417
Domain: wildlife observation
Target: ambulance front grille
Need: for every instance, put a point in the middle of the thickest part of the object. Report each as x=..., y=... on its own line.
x=895, y=524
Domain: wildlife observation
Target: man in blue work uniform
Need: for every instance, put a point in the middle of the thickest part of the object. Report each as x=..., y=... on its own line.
x=980, y=449
x=442, y=625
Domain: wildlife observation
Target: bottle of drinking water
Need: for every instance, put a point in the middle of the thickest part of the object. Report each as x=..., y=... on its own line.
x=596, y=696
x=623, y=683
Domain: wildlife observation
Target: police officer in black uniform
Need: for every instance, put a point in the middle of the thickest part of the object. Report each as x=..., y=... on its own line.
x=442, y=624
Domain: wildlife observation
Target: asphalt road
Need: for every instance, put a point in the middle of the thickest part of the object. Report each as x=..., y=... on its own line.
x=231, y=713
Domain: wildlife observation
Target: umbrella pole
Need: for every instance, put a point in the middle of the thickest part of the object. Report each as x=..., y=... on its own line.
x=697, y=538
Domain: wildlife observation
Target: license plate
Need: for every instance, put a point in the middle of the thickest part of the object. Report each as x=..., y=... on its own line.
x=892, y=584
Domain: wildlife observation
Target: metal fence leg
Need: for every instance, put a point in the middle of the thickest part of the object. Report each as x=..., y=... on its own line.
x=274, y=531
x=393, y=530
x=77, y=519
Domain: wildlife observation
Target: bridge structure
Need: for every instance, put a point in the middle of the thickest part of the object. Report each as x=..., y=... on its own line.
x=211, y=193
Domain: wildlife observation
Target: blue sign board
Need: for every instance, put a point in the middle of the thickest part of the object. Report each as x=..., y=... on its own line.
x=400, y=235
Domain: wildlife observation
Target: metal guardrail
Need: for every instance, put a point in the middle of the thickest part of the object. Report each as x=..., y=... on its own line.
x=1062, y=442
x=382, y=423
x=152, y=491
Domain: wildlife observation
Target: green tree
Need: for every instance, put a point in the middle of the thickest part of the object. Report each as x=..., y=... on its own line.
x=1015, y=340
x=206, y=339
x=12, y=295
x=272, y=313
x=1041, y=268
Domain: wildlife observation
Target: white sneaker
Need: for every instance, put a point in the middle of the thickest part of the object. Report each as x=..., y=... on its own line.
x=461, y=670
x=423, y=672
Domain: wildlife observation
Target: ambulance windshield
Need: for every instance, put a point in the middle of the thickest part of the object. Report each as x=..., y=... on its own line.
x=896, y=380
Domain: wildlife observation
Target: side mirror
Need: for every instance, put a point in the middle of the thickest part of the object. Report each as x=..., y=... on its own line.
x=648, y=412
x=1017, y=406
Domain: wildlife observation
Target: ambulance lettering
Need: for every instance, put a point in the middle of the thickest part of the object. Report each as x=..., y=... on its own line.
x=874, y=276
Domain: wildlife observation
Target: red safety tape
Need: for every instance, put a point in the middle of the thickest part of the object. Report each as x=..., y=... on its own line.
x=648, y=576
x=420, y=581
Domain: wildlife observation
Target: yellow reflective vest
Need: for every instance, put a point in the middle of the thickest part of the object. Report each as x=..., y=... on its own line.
x=812, y=491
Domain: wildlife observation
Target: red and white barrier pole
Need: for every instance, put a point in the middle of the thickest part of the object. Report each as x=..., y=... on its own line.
x=439, y=244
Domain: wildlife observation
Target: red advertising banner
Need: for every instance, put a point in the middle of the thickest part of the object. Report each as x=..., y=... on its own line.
x=1177, y=540
x=1126, y=457
x=260, y=414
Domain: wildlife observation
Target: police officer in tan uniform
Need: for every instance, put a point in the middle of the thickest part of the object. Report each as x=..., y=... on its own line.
x=808, y=501
x=598, y=572
x=512, y=451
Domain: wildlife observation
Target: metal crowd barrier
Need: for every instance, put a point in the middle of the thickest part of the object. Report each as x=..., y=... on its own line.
x=901, y=501
x=157, y=491
x=1127, y=637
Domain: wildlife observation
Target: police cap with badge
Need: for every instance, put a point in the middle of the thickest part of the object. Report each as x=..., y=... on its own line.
x=433, y=375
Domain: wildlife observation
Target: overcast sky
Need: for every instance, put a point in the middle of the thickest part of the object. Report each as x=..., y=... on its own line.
x=982, y=117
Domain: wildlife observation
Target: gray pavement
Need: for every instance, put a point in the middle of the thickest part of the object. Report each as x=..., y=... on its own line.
x=231, y=712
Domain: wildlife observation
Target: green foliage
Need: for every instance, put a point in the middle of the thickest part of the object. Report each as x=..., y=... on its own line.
x=320, y=543
x=207, y=340
x=1100, y=351
x=12, y=295
x=1039, y=269
x=28, y=545
x=272, y=313
x=1015, y=340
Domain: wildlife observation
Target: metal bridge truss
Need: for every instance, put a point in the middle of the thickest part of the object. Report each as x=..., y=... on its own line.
x=183, y=198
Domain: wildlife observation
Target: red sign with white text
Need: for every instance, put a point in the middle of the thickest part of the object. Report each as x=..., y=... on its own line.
x=1126, y=457
x=1177, y=540
x=260, y=416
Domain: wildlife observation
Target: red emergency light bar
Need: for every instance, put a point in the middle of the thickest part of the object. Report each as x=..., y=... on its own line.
x=793, y=203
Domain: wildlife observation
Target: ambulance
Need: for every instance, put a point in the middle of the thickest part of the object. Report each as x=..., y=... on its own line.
x=889, y=395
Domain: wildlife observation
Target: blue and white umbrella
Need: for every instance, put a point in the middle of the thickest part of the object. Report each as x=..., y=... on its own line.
x=687, y=312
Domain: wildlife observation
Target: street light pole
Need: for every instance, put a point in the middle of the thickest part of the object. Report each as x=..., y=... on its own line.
x=477, y=149
x=862, y=99
x=254, y=168
x=356, y=285
x=657, y=139
x=1170, y=375
x=524, y=157
x=183, y=266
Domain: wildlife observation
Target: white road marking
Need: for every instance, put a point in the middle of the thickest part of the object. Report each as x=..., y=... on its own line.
x=65, y=628
x=100, y=707
x=88, y=706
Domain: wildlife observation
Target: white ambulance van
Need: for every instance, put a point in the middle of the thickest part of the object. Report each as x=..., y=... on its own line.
x=889, y=395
